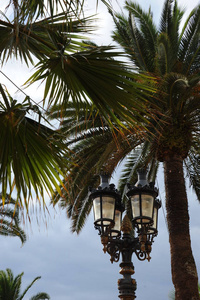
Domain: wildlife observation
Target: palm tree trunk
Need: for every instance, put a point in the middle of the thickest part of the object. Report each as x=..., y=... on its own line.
x=184, y=273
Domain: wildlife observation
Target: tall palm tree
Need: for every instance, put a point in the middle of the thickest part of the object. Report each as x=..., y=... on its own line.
x=10, y=287
x=170, y=136
x=10, y=219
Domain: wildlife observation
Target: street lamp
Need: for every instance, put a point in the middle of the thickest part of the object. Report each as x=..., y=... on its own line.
x=117, y=236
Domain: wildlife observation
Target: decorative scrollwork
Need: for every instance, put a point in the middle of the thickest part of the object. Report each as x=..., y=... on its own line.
x=141, y=255
x=98, y=228
x=114, y=251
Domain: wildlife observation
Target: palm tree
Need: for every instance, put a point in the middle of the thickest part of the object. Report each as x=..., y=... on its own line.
x=10, y=287
x=10, y=220
x=170, y=136
x=50, y=38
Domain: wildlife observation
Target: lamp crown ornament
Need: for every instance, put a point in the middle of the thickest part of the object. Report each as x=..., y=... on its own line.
x=104, y=180
x=142, y=183
x=142, y=178
x=126, y=226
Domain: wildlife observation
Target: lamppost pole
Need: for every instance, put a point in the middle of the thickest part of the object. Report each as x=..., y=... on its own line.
x=127, y=285
x=117, y=236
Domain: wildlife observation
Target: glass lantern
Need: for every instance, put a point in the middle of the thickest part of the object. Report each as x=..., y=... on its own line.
x=106, y=207
x=142, y=196
x=142, y=208
x=104, y=210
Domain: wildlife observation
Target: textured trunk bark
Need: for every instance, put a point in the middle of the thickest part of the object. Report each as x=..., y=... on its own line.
x=184, y=273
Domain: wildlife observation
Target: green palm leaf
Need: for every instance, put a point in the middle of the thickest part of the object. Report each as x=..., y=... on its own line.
x=166, y=16
x=145, y=32
x=23, y=39
x=28, y=287
x=10, y=287
x=10, y=219
x=137, y=35
x=193, y=171
x=189, y=50
x=29, y=155
x=40, y=296
x=38, y=8
x=93, y=75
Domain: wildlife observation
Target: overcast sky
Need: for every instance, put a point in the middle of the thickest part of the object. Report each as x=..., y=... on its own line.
x=74, y=267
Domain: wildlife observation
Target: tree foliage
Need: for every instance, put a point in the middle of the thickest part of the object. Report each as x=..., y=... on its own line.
x=10, y=287
x=168, y=124
x=49, y=35
x=10, y=219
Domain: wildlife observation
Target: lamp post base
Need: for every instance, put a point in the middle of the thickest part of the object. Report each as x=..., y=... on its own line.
x=128, y=290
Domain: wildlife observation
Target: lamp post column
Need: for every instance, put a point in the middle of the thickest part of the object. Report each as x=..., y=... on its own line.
x=127, y=285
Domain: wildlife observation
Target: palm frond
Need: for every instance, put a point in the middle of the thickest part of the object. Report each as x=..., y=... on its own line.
x=139, y=157
x=189, y=49
x=10, y=286
x=31, y=9
x=93, y=75
x=122, y=37
x=169, y=26
x=137, y=35
x=28, y=287
x=9, y=229
x=78, y=121
x=80, y=217
x=30, y=155
x=173, y=30
x=40, y=296
x=10, y=219
x=128, y=173
x=166, y=16
x=164, y=61
x=24, y=40
x=144, y=33
x=192, y=164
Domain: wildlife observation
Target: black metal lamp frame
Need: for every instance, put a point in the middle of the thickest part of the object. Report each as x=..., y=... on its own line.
x=100, y=192
x=127, y=244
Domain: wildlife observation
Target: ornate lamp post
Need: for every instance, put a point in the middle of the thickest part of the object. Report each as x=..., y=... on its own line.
x=117, y=236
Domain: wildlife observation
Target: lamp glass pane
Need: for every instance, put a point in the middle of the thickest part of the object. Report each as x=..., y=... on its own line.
x=147, y=207
x=108, y=209
x=155, y=216
x=97, y=208
x=153, y=228
x=117, y=226
x=135, y=204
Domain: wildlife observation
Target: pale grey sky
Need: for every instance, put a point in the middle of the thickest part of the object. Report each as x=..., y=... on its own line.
x=74, y=267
